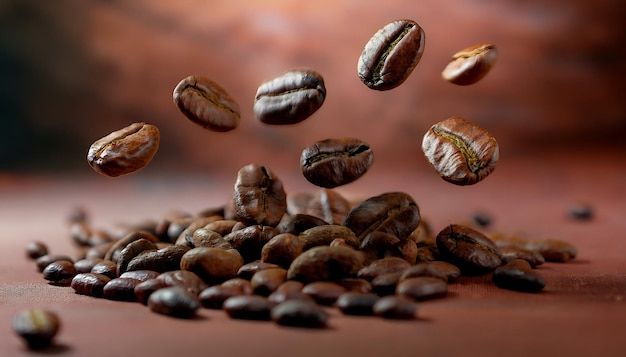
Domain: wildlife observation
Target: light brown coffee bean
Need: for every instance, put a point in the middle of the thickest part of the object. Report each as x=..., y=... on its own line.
x=553, y=250
x=124, y=151
x=422, y=288
x=518, y=275
x=203, y=237
x=395, y=307
x=282, y=249
x=460, y=151
x=37, y=327
x=299, y=313
x=324, y=235
x=212, y=265
x=60, y=272
x=207, y=104
x=290, y=98
x=174, y=301
x=248, y=307
x=390, y=56
x=325, y=263
x=336, y=161
x=468, y=249
x=90, y=284
x=471, y=64
x=259, y=196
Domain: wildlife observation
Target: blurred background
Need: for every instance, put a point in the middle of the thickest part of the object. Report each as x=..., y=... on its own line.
x=72, y=71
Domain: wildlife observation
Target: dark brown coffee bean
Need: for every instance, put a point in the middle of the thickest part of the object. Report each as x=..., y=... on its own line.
x=144, y=289
x=174, y=301
x=282, y=249
x=532, y=257
x=141, y=275
x=247, y=270
x=581, y=212
x=35, y=249
x=243, y=284
x=299, y=313
x=377, y=244
x=395, y=307
x=222, y=227
x=212, y=265
x=324, y=235
x=335, y=162
x=264, y=282
x=324, y=292
x=471, y=64
x=395, y=213
x=183, y=278
x=289, y=290
x=325, y=263
x=468, y=249
x=405, y=249
x=248, y=307
x=89, y=284
x=116, y=248
x=60, y=272
x=207, y=104
x=435, y=269
x=422, y=288
x=352, y=303
x=162, y=260
x=385, y=284
x=249, y=241
x=186, y=236
x=37, y=327
x=105, y=267
x=78, y=214
x=43, y=261
x=460, y=151
x=132, y=250
x=383, y=266
x=518, y=275
x=390, y=56
x=121, y=289
x=482, y=219
x=259, y=196
x=554, y=250
x=299, y=222
x=356, y=285
x=214, y=296
x=324, y=203
x=85, y=265
x=203, y=237
x=124, y=151
x=290, y=98
x=426, y=254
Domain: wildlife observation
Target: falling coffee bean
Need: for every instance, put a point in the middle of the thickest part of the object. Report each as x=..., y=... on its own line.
x=471, y=64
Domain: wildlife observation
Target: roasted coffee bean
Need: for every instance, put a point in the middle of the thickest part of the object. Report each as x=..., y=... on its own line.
x=264, y=282
x=581, y=212
x=426, y=254
x=249, y=241
x=390, y=56
x=394, y=213
x=324, y=292
x=97, y=252
x=132, y=250
x=335, y=162
x=325, y=263
x=339, y=242
x=376, y=245
x=207, y=104
x=174, y=301
x=176, y=228
x=90, y=284
x=470, y=65
x=324, y=235
x=186, y=236
x=518, y=275
x=435, y=269
x=80, y=233
x=299, y=313
x=532, y=257
x=115, y=249
x=385, y=284
x=222, y=226
x=60, y=272
x=553, y=250
x=324, y=203
x=37, y=327
x=121, y=289
x=141, y=275
x=247, y=270
x=259, y=196
x=248, y=307
x=212, y=265
x=422, y=288
x=43, y=261
x=289, y=290
x=124, y=151
x=482, y=219
x=282, y=249
x=356, y=285
x=85, y=265
x=105, y=267
x=405, y=249
x=460, y=151
x=78, y=214
x=144, y=289
x=183, y=278
x=468, y=249
x=395, y=307
x=162, y=260
x=299, y=222
x=203, y=237
x=383, y=266
x=243, y=284
x=35, y=249
x=214, y=296
x=290, y=98
x=351, y=303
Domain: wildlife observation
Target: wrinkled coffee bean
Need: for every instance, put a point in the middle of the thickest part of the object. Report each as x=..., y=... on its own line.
x=435, y=269
x=324, y=292
x=121, y=289
x=207, y=104
x=351, y=303
x=174, y=301
x=214, y=296
x=290, y=98
x=90, y=284
x=259, y=196
x=460, y=151
x=470, y=65
x=395, y=307
x=60, y=272
x=212, y=265
x=325, y=263
x=264, y=282
x=518, y=275
x=390, y=56
x=124, y=151
x=299, y=313
x=35, y=249
x=468, y=249
x=282, y=249
x=422, y=288
x=248, y=307
x=37, y=327
x=335, y=162
x=553, y=250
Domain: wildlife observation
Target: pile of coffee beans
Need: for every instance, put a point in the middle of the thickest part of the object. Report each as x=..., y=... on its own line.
x=267, y=255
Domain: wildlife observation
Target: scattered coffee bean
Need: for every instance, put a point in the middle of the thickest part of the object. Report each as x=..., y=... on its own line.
x=60, y=272
x=214, y=296
x=325, y=263
x=116, y=248
x=183, y=278
x=132, y=250
x=383, y=266
x=460, y=151
x=141, y=275
x=518, y=275
x=105, y=267
x=212, y=265
x=162, y=260
x=90, y=284
x=36, y=249
x=203, y=237
x=289, y=290
x=422, y=288
x=390, y=56
x=248, y=307
x=581, y=212
x=249, y=241
x=259, y=196
x=174, y=301
x=282, y=249
x=395, y=307
x=37, y=327
x=324, y=292
x=385, y=284
x=144, y=289
x=471, y=64
x=247, y=270
x=243, y=284
x=121, y=289
x=299, y=313
x=43, y=261
x=351, y=303
x=468, y=249
x=264, y=282
x=532, y=257
x=356, y=285
x=553, y=250
x=324, y=235
x=435, y=269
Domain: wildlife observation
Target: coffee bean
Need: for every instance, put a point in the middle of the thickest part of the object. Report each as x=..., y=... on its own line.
x=247, y=270
x=144, y=289
x=324, y=203
x=471, y=64
x=116, y=248
x=185, y=237
x=43, y=261
x=203, y=237
x=282, y=249
x=37, y=327
x=460, y=151
x=351, y=303
x=299, y=222
x=482, y=219
x=553, y=250
x=299, y=313
x=35, y=249
x=390, y=56
x=212, y=265
x=174, y=301
x=183, y=278
x=581, y=212
x=90, y=284
x=162, y=260
x=60, y=272
x=468, y=249
x=532, y=257
x=405, y=249
x=435, y=269
x=85, y=265
x=324, y=292
x=214, y=296
x=385, y=284
x=105, y=267
x=249, y=241
x=518, y=275
x=289, y=290
x=121, y=289
x=422, y=288
x=264, y=282
x=377, y=244
x=426, y=254
x=222, y=227
x=290, y=98
x=132, y=250
x=356, y=285
x=395, y=307
x=243, y=284
x=206, y=104
x=248, y=307
x=325, y=263
x=259, y=196
x=324, y=235
x=124, y=151
x=141, y=275
x=335, y=162
x=383, y=266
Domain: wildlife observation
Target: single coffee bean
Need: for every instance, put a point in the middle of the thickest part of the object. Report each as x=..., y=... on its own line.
x=248, y=307
x=85, y=265
x=470, y=65
x=482, y=219
x=212, y=265
x=325, y=263
x=183, y=278
x=460, y=151
x=162, y=260
x=35, y=249
x=324, y=203
x=299, y=222
x=37, y=327
x=290, y=98
x=203, y=237
x=214, y=296
x=124, y=151
x=390, y=56
x=121, y=289
x=385, y=284
x=299, y=313
x=282, y=249
x=351, y=303
x=553, y=250
x=426, y=254
x=335, y=162
x=581, y=212
x=206, y=104
x=468, y=249
x=324, y=292
x=141, y=275
x=532, y=257
x=435, y=269
x=259, y=196
x=324, y=235
x=247, y=270
x=60, y=272
x=43, y=261
x=105, y=267
x=395, y=307
x=264, y=282
x=116, y=248
x=383, y=266
x=89, y=284
x=144, y=289
x=222, y=227
x=174, y=301
x=132, y=250
x=243, y=284
x=422, y=288
x=518, y=275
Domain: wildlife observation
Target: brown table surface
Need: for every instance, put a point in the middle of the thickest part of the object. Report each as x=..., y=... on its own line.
x=581, y=312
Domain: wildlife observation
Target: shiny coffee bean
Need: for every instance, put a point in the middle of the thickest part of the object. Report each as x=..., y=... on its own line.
x=390, y=56
x=214, y=296
x=290, y=98
x=266, y=281
x=249, y=241
x=207, y=104
x=35, y=249
x=248, y=307
x=144, y=289
x=468, y=249
x=132, y=250
x=282, y=249
x=121, y=289
x=162, y=260
x=60, y=272
x=105, y=267
x=553, y=250
x=212, y=265
x=335, y=162
x=422, y=288
x=183, y=278
x=243, y=284
x=37, y=327
x=141, y=275
x=259, y=196
x=124, y=151
x=471, y=64
x=90, y=284
x=395, y=307
x=299, y=313
x=43, y=261
x=325, y=263
x=460, y=151
x=174, y=301
x=518, y=275
x=351, y=303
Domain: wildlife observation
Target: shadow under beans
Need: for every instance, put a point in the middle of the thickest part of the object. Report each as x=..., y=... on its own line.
x=53, y=349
